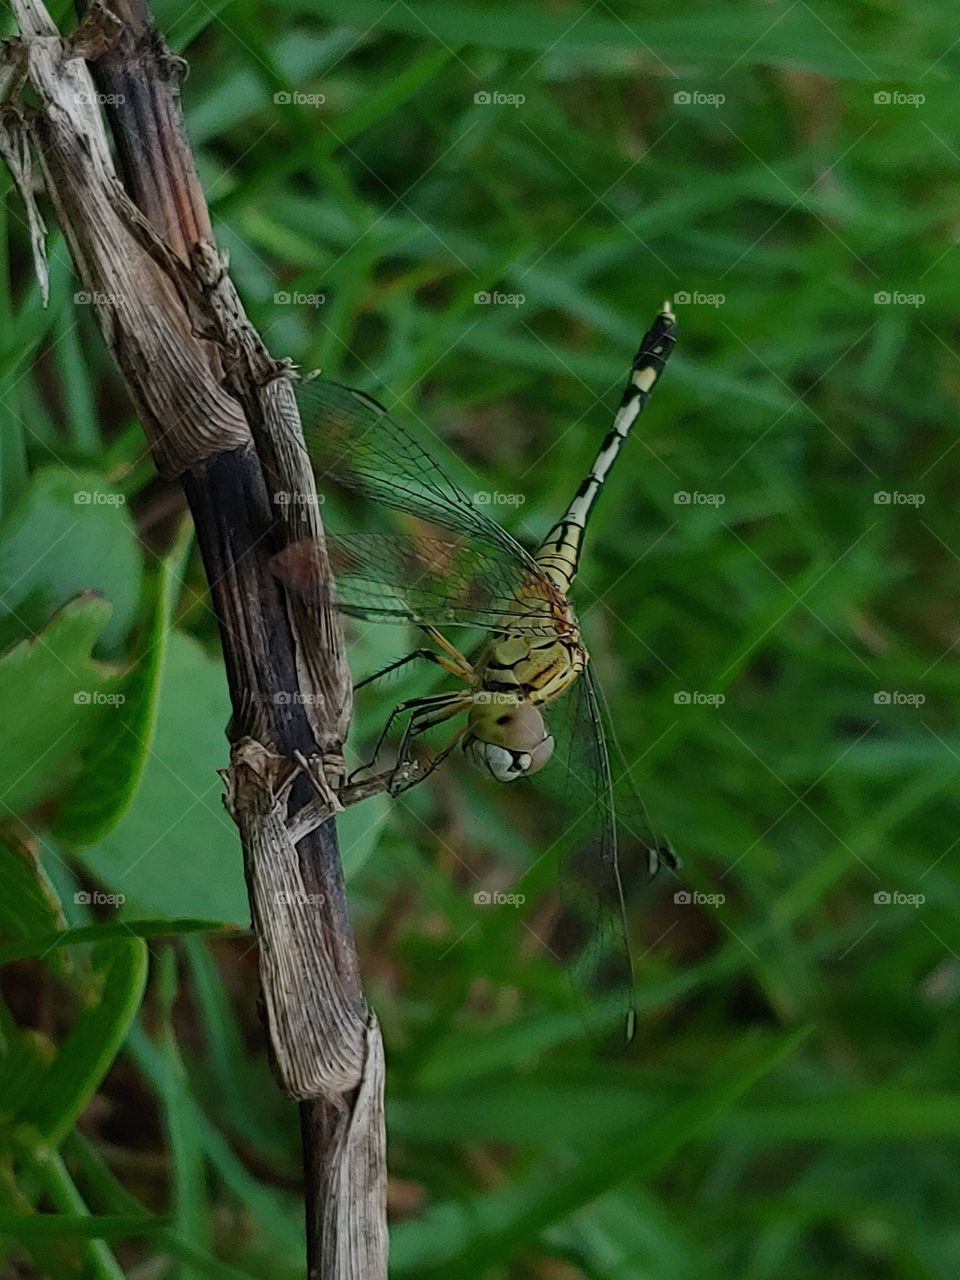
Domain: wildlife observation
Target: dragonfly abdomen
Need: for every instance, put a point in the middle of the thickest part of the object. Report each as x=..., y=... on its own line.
x=559, y=554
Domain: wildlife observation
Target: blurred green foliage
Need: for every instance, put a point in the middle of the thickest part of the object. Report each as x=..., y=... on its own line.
x=781, y=535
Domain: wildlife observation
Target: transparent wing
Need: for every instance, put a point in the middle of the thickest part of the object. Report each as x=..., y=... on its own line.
x=609, y=851
x=428, y=581
x=353, y=440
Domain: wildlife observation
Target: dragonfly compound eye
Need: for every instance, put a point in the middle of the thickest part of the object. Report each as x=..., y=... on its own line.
x=509, y=742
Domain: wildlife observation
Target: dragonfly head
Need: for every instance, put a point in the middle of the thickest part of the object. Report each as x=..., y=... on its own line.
x=507, y=739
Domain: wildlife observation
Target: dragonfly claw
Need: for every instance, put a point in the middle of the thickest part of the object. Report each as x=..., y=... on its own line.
x=406, y=774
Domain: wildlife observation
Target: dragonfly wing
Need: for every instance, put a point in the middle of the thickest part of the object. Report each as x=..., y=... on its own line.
x=428, y=581
x=609, y=849
x=354, y=441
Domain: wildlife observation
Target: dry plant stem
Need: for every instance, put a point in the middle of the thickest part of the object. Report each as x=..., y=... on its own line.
x=203, y=384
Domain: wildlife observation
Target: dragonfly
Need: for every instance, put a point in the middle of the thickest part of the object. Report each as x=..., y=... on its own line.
x=475, y=574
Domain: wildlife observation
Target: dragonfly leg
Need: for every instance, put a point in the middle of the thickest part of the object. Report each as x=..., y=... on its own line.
x=398, y=710
x=424, y=714
x=427, y=713
x=455, y=663
x=427, y=654
x=434, y=764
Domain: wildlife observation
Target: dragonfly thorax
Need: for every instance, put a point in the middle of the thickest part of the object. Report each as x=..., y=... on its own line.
x=533, y=668
x=506, y=738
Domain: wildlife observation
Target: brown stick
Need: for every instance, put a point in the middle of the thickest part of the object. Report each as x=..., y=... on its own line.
x=204, y=384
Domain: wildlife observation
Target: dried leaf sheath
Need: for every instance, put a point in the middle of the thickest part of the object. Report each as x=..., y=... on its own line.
x=199, y=401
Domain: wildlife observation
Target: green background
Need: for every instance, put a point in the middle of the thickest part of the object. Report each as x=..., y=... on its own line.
x=787, y=175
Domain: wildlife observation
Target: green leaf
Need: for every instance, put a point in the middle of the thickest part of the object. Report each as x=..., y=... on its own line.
x=69, y=533
x=176, y=851
x=55, y=700
x=359, y=828
x=279, y=1220
x=40, y=1227
x=28, y=903
x=178, y=816
x=59, y=1093
x=55, y=1226
x=690, y=44
x=230, y=1077
x=184, y=1141
x=488, y=1229
x=113, y=770
x=40, y=944
x=115, y=1197
x=45, y=1173
x=864, y=1116
x=396, y=91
